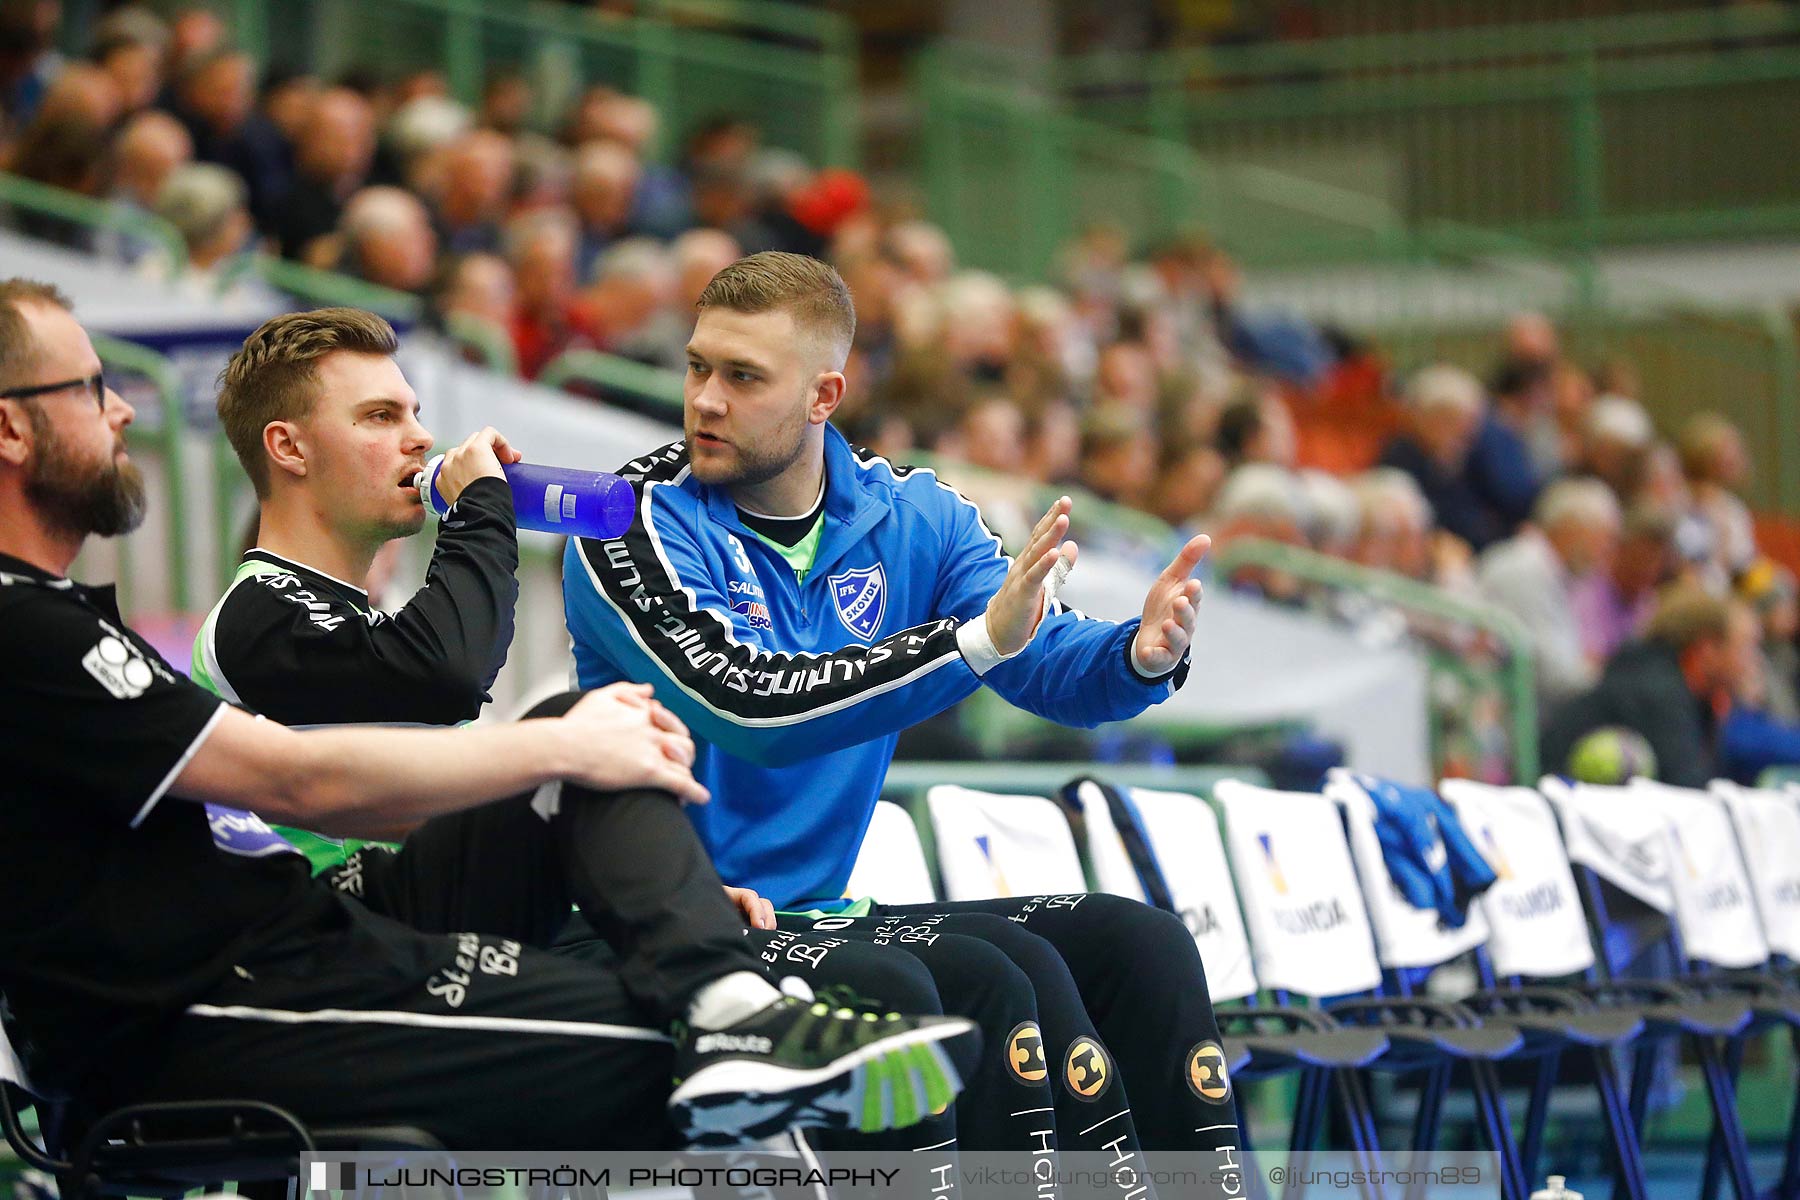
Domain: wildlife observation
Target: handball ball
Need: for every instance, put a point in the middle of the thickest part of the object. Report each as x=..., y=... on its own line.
x=1612, y=755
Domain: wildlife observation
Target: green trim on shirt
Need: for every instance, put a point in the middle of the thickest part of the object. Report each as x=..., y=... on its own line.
x=322, y=853
x=862, y=907
x=800, y=555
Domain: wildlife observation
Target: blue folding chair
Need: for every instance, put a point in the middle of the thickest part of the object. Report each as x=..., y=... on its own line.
x=1536, y=963
x=1620, y=838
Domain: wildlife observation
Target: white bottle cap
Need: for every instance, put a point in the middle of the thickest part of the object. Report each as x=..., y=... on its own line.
x=1554, y=1190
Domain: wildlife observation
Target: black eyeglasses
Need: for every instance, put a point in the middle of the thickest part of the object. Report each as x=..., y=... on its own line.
x=95, y=384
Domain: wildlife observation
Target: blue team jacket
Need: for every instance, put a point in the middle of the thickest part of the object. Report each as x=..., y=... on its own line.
x=796, y=692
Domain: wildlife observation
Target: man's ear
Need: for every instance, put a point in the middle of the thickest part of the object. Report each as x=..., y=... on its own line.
x=827, y=394
x=285, y=444
x=15, y=433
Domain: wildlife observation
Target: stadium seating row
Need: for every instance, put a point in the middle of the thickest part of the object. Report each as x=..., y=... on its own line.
x=1298, y=919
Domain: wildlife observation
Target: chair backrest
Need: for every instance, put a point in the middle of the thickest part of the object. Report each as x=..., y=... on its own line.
x=1404, y=936
x=1619, y=838
x=891, y=865
x=1714, y=908
x=1536, y=929
x=1768, y=829
x=1107, y=856
x=1183, y=835
x=991, y=845
x=1309, y=932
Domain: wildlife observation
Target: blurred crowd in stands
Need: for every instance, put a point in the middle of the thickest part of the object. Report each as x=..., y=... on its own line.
x=1138, y=374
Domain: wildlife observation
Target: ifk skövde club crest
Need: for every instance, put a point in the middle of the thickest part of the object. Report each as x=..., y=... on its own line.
x=861, y=599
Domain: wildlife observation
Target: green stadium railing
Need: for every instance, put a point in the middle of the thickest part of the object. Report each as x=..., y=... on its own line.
x=830, y=35
x=790, y=70
x=163, y=442
x=1422, y=603
x=1330, y=59
x=652, y=390
x=1342, y=19
x=1012, y=175
x=331, y=289
x=17, y=192
x=1578, y=133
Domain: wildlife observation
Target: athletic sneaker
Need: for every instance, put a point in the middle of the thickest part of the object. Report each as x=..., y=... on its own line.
x=831, y=1062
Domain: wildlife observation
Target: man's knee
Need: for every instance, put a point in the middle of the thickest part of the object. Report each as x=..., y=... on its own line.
x=898, y=980
x=1031, y=953
x=1147, y=930
x=1135, y=933
x=977, y=971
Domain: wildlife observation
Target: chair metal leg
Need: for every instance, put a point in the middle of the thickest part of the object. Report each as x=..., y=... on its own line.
x=1789, y=1188
x=1628, y=1183
x=1537, y=1113
x=1643, y=1076
x=1715, y=1144
x=1725, y=1119
x=1309, y=1109
x=1254, y=1184
x=1364, y=1138
x=1425, y=1124
x=1309, y=1114
x=1491, y=1109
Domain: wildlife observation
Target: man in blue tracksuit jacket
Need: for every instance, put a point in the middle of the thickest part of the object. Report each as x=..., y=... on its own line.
x=798, y=603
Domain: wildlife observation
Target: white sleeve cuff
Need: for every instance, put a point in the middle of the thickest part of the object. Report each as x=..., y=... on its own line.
x=978, y=649
x=1137, y=665
x=187, y=756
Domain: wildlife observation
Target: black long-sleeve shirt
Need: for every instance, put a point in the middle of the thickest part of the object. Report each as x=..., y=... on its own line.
x=300, y=647
x=297, y=646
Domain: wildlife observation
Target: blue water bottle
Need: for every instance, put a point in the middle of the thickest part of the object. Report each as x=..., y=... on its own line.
x=590, y=504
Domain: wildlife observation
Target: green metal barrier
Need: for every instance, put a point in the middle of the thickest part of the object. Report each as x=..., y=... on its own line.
x=328, y=288
x=653, y=390
x=41, y=198
x=1531, y=38
x=1580, y=133
x=791, y=71
x=1012, y=177
x=1454, y=632
x=165, y=443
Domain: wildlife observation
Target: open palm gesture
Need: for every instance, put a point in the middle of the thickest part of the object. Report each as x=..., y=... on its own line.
x=1169, y=611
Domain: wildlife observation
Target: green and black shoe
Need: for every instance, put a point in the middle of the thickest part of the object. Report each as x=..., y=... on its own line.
x=833, y=1062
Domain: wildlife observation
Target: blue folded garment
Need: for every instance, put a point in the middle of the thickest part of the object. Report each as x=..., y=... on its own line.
x=1429, y=855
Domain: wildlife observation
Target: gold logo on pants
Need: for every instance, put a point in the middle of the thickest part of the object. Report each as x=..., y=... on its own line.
x=1025, y=1053
x=1207, y=1074
x=1086, y=1069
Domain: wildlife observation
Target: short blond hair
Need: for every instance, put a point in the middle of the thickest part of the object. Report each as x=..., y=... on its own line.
x=275, y=377
x=812, y=291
